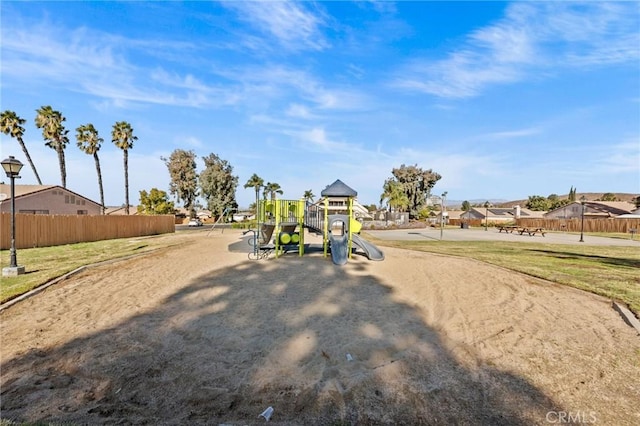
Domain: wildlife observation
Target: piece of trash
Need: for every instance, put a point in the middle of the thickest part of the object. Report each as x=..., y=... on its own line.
x=349, y=357
x=267, y=413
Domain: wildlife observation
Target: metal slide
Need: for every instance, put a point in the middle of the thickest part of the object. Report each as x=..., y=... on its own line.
x=372, y=252
x=339, y=249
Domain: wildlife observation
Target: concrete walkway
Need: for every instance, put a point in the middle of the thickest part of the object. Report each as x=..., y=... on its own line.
x=492, y=234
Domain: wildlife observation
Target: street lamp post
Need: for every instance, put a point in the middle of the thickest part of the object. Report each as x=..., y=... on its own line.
x=582, y=200
x=12, y=168
x=442, y=207
x=486, y=215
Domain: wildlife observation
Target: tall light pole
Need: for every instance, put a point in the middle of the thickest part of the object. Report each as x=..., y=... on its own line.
x=582, y=200
x=442, y=207
x=487, y=204
x=12, y=168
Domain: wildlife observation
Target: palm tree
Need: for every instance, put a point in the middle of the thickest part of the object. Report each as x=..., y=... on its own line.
x=394, y=195
x=122, y=136
x=308, y=195
x=55, y=135
x=89, y=142
x=272, y=188
x=12, y=125
x=255, y=182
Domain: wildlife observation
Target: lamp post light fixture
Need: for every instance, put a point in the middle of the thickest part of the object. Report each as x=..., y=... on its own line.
x=582, y=200
x=12, y=168
x=486, y=215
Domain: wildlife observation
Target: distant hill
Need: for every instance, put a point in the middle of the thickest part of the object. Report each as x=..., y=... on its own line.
x=590, y=196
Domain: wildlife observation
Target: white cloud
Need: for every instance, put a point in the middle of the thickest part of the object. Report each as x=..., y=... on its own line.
x=511, y=134
x=532, y=37
x=621, y=158
x=290, y=23
x=96, y=63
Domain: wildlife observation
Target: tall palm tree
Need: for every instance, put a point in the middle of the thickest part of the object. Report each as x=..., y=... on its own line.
x=122, y=136
x=255, y=182
x=11, y=125
x=271, y=189
x=89, y=142
x=308, y=195
x=55, y=135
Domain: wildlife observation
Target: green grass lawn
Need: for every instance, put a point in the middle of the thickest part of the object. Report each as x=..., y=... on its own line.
x=613, y=272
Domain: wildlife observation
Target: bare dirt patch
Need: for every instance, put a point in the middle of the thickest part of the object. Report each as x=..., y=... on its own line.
x=201, y=335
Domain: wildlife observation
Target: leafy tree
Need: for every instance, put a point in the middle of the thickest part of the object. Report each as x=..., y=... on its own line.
x=155, y=202
x=122, y=136
x=466, y=206
x=184, y=179
x=537, y=203
x=89, y=142
x=608, y=197
x=394, y=195
x=255, y=182
x=218, y=184
x=271, y=189
x=556, y=204
x=54, y=134
x=415, y=183
x=572, y=194
x=11, y=124
x=636, y=201
x=308, y=195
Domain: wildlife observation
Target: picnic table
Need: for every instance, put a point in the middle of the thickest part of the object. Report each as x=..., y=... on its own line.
x=531, y=231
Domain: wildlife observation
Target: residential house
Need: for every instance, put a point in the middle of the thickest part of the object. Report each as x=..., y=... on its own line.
x=500, y=214
x=592, y=210
x=47, y=199
x=338, y=193
x=120, y=211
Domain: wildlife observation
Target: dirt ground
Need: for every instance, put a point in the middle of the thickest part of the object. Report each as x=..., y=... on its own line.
x=201, y=335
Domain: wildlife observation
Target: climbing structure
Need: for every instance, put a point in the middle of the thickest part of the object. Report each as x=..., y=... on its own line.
x=333, y=218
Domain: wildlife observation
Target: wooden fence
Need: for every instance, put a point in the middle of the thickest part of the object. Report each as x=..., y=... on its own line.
x=590, y=225
x=566, y=225
x=53, y=230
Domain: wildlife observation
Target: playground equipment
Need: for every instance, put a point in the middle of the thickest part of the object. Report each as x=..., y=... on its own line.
x=223, y=217
x=285, y=221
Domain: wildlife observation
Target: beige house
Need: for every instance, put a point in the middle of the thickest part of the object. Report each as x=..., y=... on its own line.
x=47, y=199
x=500, y=214
x=592, y=210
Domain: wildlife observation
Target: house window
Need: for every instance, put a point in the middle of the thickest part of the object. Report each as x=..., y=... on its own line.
x=34, y=211
x=72, y=199
x=66, y=199
x=81, y=212
x=83, y=202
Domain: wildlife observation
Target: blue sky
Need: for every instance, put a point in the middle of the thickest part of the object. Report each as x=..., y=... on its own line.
x=503, y=99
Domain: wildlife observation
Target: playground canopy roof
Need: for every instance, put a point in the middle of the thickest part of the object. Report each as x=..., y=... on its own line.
x=338, y=189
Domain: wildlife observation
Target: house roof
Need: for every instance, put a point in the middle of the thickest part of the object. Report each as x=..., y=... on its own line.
x=604, y=208
x=613, y=207
x=21, y=190
x=338, y=189
x=24, y=190
x=119, y=210
x=506, y=212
